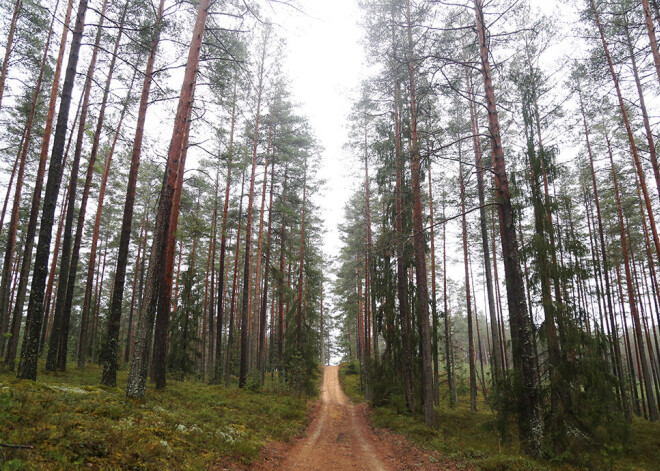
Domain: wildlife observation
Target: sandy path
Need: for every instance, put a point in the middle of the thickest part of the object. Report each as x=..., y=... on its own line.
x=339, y=438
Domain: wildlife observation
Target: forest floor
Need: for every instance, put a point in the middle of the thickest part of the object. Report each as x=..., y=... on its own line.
x=471, y=438
x=341, y=438
x=66, y=421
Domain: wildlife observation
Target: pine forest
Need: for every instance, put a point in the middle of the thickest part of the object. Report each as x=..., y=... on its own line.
x=297, y=234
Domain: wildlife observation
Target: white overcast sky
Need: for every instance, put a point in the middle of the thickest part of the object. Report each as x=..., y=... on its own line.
x=325, y=63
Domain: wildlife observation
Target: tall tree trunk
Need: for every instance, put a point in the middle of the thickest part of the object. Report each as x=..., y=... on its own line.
x=140, y=359
x=497, y=362
x=650, y=29
x=164, y=308
x=49, y=308
x=97, y=305
x=402, y=294
x=626, y=335
x=6, y=276
x=468, y=302
x=110, y=355
x=498, y=294
x=434, y=302
x=367, y=265
x=608, y=289
x=371, y=299
x=451, y=384
x=419, y=240
x=632, y=303
x=207, y=362
x=530, y=419
x=143, y=269
x=142, y=242
x=230, y=333
x=247, y=274
x=10, y=184
x=83, y=341
x=10, y=45
x=60, y=334
x=261, y=325
x=51, y=290
x=480, y=353
x=640, y=93
x=73, y=270
x=264, y=301
x=223, y=245
x=280, y=288
x=27, y=368
x=299, y=316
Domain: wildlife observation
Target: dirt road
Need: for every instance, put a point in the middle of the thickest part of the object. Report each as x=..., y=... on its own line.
x=339, y=438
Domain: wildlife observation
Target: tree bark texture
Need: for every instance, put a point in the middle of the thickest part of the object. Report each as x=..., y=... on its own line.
x=140, y=359
x=27, y=368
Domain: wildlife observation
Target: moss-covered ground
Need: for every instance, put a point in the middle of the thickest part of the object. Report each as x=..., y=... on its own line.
x=472, y=438
x=70, y=422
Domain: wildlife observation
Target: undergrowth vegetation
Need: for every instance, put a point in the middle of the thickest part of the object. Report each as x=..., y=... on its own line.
x=472, y=437
x=72, y=423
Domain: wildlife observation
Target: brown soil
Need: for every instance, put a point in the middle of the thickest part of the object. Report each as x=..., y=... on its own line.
x=341, y=438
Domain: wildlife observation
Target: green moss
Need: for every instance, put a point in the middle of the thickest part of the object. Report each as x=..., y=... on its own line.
x=73, y=424
x=472, y=438
x=349, y=378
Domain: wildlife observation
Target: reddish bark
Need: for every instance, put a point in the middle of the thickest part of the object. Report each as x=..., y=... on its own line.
x=247, y=273
x=497, y=362
x=10, y=46
x=402, y=294
x=642, y=105
x=528, y=398
x=155, y=276
x=608, y=294
x=653, y=408
x=13, y=222
x=419, y=240
x=159, y=371
x=650, y=29
x=11, y=183
x=83, y=204
x=109, y=377
x=223, y=247
x=230, y=324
